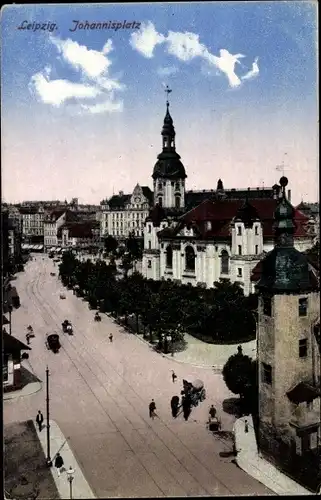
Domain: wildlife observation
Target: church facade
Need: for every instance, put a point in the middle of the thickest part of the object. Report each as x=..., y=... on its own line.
x=198, y=237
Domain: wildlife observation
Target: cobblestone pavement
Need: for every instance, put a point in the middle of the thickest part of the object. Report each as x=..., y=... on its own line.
x=99, y=396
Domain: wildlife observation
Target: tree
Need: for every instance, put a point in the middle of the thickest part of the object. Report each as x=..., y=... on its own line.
x=239, y=375
x=110, y=244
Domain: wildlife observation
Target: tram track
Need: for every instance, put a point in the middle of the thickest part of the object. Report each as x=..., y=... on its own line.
x=53, y=314
x=51, y=318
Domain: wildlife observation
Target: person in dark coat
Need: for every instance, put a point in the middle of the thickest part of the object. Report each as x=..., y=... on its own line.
x=175, y=405
x=59, y=463
x=152, y=408
x=174, y=376
x=212, y=411
x=39, y=420
x=187, y=404
x=111, y=337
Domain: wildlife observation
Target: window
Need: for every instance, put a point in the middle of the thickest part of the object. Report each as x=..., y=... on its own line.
x=189, y=259
x=149, y=245
x=239, y=249
x=256, y=230
x=310, y=405
x=267, y=306
x=239, y=230
x=267, y=373
x=303, y=348
x=160, y=201
x=239, y=272
x=177, y=186
x=256, y=249
x=303, y=306
x=224, y=262
x=5, y=368
x=177, y=201
x=160, y=185
x=169, y=257
x=149, y=264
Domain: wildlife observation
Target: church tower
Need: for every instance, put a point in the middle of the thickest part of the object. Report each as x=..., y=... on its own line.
x=169, y=173
x=288, y=348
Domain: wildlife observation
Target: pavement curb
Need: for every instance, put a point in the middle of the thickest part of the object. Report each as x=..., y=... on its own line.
x=215, y=368
x=59, y=443
x=249, y=459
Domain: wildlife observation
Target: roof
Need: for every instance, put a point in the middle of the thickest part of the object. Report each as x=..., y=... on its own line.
x=148, y=193
x=194, y=198
x=11, y=344
x=119, y=201
x=169, y=166
x=303, y=392
x=79, y=229
x=5, y=321
x=28, y=210
x=257, y=271
x=221, y=213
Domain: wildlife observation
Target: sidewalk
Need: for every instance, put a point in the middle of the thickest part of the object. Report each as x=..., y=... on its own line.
x=58, y=443
x=253, y=464
x=27, y=390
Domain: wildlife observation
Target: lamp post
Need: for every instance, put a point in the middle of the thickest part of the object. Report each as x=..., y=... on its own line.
x=10, y=311
x=70, y=476
x=49, y=462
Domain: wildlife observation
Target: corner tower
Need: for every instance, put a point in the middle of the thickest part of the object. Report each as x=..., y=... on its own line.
x=169, y=173
x=288, y=353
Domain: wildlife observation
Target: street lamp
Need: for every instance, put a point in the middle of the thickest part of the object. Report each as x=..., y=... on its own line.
x=49, y=462
x=10, y=311
x=70, y=477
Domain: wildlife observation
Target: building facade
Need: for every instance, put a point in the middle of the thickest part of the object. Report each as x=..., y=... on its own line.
x=198, y=237
x=123, y=214
x=289, y=352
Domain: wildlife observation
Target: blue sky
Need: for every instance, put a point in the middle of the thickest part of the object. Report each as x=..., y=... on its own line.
x=82, y=110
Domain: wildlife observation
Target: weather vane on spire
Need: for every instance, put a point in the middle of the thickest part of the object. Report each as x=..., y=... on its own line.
x=168, y=91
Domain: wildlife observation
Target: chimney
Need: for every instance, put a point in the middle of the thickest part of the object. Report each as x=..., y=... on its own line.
x=289, y=195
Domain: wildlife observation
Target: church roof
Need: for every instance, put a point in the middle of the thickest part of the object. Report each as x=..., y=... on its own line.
x=221, y=213
x=303, y=392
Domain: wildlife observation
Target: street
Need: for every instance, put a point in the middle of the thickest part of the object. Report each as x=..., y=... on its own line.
x=99, y=396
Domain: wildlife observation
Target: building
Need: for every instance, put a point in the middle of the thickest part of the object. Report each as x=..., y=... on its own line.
x=288, y=353
x=198, y=237
x=33, y=223
x=312, y=211
x=123, y=214
x=79, y=234
x=52, y=222
x=12, y=348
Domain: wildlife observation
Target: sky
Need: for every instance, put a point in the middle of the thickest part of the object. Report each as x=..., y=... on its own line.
x=83, y=96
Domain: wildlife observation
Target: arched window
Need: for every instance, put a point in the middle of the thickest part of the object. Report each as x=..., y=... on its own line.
x=224, y=262
x=160, y=201
x=160, y=185
x=169, y=256
x=189, y=259
x=177, y=201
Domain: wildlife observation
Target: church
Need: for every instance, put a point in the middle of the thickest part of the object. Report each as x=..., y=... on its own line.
x=198, y=237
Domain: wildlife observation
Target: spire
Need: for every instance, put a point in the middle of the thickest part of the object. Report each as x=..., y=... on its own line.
x=284, y=225
x=168, y=131
x=219, y=185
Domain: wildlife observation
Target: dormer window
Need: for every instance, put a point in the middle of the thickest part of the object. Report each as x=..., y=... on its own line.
x=208, y=225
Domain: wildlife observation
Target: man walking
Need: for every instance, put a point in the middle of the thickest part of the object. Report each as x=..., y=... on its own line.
x=59, y=463
x=111, y=337
x=152, y=408
x=174, y=376
x=39, y=420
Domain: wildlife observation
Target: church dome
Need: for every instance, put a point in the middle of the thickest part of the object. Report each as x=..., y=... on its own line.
x=169, y=166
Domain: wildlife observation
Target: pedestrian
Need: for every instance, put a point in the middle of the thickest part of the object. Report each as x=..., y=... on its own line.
x=175, y=406
x=174, y=376
x=212, y=411
x=186, y=403
x=152, y=408
x=39, y=420
x=28, y=338
x=246, y=426
x=111, y=337
x=59, y=463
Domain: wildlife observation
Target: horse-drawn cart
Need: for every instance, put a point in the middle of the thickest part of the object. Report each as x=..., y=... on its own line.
x=195, y=391
x=53, y=342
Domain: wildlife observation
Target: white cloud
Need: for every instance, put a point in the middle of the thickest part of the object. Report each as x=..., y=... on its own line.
x=167, y=70
x=56, y=92
x=145, y=40
x=93, y=67
x=187, y=46
x=253, y=72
